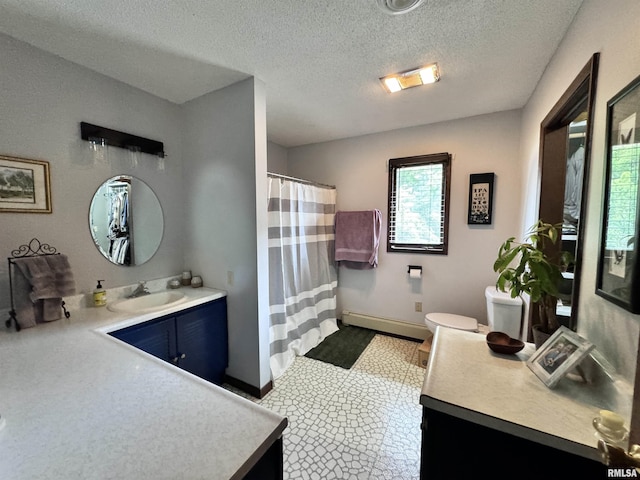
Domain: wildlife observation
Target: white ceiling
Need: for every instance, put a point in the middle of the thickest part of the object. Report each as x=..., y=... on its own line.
x=320, y=60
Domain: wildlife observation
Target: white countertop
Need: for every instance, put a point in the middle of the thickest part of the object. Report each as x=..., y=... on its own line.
x=467, y=380
x=80, y=404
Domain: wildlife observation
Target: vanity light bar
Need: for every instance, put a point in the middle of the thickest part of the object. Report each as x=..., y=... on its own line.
x=411, y=78
x=113, y=138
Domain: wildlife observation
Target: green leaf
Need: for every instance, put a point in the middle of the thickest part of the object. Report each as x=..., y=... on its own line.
x=535, y=293
x=525, y=268
x=504, y=260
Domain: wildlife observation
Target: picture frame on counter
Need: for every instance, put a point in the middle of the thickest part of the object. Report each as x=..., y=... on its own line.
x=25, y=185
x=480, y=211
x=561, y=353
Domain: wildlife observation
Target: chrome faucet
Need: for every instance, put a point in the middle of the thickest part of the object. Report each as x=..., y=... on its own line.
x=140, y=290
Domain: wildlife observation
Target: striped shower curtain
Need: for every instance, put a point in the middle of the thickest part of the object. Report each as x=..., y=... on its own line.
x=302, y=274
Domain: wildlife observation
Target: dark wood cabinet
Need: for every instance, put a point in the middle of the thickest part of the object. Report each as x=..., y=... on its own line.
x=194, y=339
x=457, y=448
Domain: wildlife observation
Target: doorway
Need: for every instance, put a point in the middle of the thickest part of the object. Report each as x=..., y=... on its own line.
x=565, y=145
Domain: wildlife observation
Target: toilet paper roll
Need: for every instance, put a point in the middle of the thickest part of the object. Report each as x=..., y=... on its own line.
x=415, y=273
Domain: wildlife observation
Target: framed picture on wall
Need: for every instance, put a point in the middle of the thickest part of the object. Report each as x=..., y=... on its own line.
x=618, y=277
x=480, y=198
x=24, y=185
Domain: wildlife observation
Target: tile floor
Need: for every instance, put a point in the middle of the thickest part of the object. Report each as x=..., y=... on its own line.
x=362, y=423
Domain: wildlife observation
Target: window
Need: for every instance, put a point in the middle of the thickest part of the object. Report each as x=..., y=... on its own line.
x=418, y=219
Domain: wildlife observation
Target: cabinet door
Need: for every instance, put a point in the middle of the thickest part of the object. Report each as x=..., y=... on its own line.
x=202, y=340
x=156, y=337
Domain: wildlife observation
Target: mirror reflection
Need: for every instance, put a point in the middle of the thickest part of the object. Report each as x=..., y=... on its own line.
x=126, y=221
x=574, y=183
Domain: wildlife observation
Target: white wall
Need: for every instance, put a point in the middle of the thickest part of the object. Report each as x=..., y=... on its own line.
x=614, y=31
x=276, y=158
x=452, y=283
x=43, y=99
x=225, y=155
x=262, y=231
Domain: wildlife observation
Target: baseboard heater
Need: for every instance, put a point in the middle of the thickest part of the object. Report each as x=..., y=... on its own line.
x=385, y=325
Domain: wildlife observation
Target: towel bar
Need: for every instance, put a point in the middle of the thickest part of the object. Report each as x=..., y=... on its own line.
x=33, y=249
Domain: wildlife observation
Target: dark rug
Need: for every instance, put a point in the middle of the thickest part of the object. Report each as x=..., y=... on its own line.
x=342, y=348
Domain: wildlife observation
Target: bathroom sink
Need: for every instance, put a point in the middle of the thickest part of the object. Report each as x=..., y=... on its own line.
x=147, y=303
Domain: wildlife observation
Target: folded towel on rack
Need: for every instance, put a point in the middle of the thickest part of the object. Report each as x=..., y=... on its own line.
x=41, y=281
x=39, y=275
x=64, y=283
x=26, y=311
x=358, y=238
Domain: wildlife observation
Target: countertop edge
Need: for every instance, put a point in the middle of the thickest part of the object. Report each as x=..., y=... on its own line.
x=261, y=450
x=510, y=428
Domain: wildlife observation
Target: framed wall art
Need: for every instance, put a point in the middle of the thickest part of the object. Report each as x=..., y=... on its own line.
x=25, y=185
x=480, y=198
x=563, y=351
x=618, y=277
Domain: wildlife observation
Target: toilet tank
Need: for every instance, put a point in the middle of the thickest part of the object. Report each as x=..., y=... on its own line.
x=504, y=313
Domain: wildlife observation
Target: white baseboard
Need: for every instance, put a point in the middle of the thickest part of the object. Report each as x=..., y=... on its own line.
x=386, y=325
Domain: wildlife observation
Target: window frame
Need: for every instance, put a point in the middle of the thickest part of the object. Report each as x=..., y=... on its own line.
x=396, y=164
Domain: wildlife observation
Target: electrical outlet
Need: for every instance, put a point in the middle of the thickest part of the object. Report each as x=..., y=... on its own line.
x=418, y=306
x=229, y=277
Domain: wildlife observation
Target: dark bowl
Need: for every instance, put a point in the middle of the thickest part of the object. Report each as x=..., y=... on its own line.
x=500, y=342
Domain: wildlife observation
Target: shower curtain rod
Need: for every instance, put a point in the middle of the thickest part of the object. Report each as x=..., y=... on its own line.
x=300, y=180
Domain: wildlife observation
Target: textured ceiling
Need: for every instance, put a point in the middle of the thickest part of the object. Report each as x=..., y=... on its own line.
x=320, y=60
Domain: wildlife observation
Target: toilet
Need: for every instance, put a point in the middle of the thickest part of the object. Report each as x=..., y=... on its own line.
x=504, y=314
x=450, y=320
x=445, y=320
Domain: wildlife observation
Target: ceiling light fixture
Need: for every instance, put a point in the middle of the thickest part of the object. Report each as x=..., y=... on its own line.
x=411, y=78
x=397, y=7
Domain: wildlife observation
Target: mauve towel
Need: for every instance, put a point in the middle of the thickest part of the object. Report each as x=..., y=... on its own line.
x=358, y=238
x=44, y=280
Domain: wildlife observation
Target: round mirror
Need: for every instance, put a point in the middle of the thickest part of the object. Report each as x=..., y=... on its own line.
x=125, y=220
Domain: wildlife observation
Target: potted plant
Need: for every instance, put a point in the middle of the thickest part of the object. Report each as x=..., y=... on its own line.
x=528, y=268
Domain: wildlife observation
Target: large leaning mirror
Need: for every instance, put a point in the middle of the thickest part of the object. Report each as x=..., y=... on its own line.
x=126, y=221
x=565, y=141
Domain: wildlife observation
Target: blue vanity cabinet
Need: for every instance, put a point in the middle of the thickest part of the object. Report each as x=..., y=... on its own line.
x=156, y=337
x=194, y=339
x=202, y=346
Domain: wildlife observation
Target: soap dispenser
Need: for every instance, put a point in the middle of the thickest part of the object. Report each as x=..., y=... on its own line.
x=99, y=295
